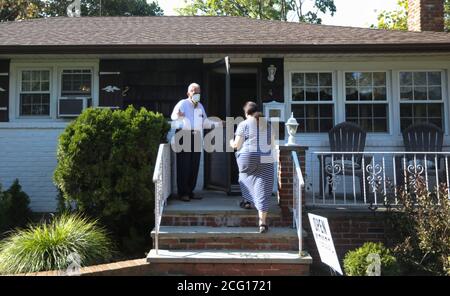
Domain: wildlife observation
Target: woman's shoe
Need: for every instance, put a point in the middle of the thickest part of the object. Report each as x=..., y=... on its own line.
x=263, y=228
x=245, y=205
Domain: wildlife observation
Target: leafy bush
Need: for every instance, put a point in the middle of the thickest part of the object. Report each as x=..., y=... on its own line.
x=51, y=246
x=105, y=165
x=357, y=262
x=423, y=224
x=14, y=208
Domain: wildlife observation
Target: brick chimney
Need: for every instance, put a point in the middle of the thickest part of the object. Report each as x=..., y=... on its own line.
x=426, y=15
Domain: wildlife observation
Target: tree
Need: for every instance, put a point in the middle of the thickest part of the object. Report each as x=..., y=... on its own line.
x=11, y=10
x=262, y=9
x=108, y=8
x=398, y=19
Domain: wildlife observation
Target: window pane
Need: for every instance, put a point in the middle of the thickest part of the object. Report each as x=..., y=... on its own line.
x=351, y=79
x=406, y=110
x=45, y=75
x=405, y=122
x=434, y=78
x=365, y=94
x=312, y=94
x=435, y=110
x=366, y=79
x=298, y=94
x=406, y=93
x=35, y=104
x=379, y=78
x=26, y=86
x=326, y=125
x=420, y=78
x=420, y=110
x=298, y=79
x=380, y=125
x=312, y=111
x=76, y=82
x=312, y=79
x=379, y=93
x=351, y=110
x=35, y=86
x=352, y=94
x=435, y=93
x=380, y=110
x=325, y=79
x=405, y=78
x=326, y=94
x=26, y=76
x=365, y=110
x=326, y=110
x=420, y=93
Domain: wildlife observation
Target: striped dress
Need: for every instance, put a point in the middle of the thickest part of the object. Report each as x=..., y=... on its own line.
x=256, y=164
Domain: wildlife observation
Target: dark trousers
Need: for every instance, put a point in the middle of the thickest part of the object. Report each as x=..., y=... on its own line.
x=187, y=166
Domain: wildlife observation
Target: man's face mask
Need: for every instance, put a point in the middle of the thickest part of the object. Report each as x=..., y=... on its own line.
x=196, y=98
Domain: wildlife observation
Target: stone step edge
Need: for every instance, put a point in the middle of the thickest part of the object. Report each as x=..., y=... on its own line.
x=228, y=256
x=213, y=213
x=233, y=232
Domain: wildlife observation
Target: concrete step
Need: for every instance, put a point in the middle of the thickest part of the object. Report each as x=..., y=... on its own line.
x=227, y=238
x=214, y=263
x=217, y=209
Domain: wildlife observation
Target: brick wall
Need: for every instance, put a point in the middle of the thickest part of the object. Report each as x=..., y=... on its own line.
x=426, y=15
x=285, y=178
x=350, y=229
x=29, y=154
x=140, y=267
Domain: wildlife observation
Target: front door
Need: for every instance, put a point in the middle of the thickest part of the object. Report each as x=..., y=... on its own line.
x=228, y=89
x=217, y=164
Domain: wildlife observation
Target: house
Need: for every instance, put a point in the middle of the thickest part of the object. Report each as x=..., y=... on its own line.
x=50, y=69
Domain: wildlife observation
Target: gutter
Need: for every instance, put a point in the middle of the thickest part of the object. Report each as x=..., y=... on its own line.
x=190, y=49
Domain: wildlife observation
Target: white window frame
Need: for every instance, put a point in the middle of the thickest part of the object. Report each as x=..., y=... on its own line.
x=388, y=101
x=20, y=92
x=305, y=102
x=60, y=73
x=444, y=100
x=55, y=66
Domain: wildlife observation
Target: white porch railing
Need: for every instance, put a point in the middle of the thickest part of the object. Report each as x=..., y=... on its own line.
x=297, y=200
x=163, y=187
x=373, y=178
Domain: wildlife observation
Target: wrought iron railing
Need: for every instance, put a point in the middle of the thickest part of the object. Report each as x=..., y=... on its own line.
x=374, y=178
x=163, y=187
x=297, y=199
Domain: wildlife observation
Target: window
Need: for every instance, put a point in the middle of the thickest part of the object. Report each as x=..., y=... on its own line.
x=313, y=101
x=366, y=101
x=76, y=83
x=35, y=93
x=421, y=98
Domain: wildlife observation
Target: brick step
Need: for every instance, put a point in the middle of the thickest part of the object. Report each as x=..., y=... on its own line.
x=227, y=238
x=218, y=210
x=229, y=263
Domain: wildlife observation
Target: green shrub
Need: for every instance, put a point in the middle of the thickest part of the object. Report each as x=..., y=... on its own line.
x=105, y=165
x=50, y=246
x=356, y=262
x=14, y=208
x=423, y=224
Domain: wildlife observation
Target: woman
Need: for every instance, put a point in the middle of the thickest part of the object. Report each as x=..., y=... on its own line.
x=254, y=144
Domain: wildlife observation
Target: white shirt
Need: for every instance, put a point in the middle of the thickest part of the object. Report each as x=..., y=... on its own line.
x=193, y=119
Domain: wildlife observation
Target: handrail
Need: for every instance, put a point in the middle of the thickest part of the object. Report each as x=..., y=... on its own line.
x=162, y=181
x=299, y=183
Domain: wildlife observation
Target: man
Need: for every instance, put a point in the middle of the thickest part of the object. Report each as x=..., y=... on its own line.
x=191, y=117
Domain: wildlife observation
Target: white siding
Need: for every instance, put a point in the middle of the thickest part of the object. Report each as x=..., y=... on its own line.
x=29, y=154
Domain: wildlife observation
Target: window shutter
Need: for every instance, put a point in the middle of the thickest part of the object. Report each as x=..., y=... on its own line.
x=272, y=90
x=4, y=90
x=111, y=85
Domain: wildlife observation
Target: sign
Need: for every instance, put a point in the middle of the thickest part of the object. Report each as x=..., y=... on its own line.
x=324, y=241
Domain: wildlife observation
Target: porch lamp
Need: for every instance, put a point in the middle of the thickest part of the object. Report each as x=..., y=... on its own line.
x=291, y=126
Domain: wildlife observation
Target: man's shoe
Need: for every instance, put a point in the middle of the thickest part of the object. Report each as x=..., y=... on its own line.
x=194, y=196
x=185, y=198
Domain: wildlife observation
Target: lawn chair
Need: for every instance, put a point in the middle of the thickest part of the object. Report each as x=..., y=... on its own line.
x=422, y=137
x=344, y=137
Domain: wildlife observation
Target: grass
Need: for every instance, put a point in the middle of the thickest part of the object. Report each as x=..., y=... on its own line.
x=55, y=245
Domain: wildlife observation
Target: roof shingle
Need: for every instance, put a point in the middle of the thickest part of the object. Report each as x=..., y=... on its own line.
x=179, y=31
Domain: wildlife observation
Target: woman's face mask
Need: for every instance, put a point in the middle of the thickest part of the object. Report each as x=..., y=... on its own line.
x=196, y=98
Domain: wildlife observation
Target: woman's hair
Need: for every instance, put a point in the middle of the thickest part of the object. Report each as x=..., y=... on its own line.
x=251, y=108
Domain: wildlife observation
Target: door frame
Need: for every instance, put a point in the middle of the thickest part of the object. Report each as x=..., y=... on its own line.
x=206, y=80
